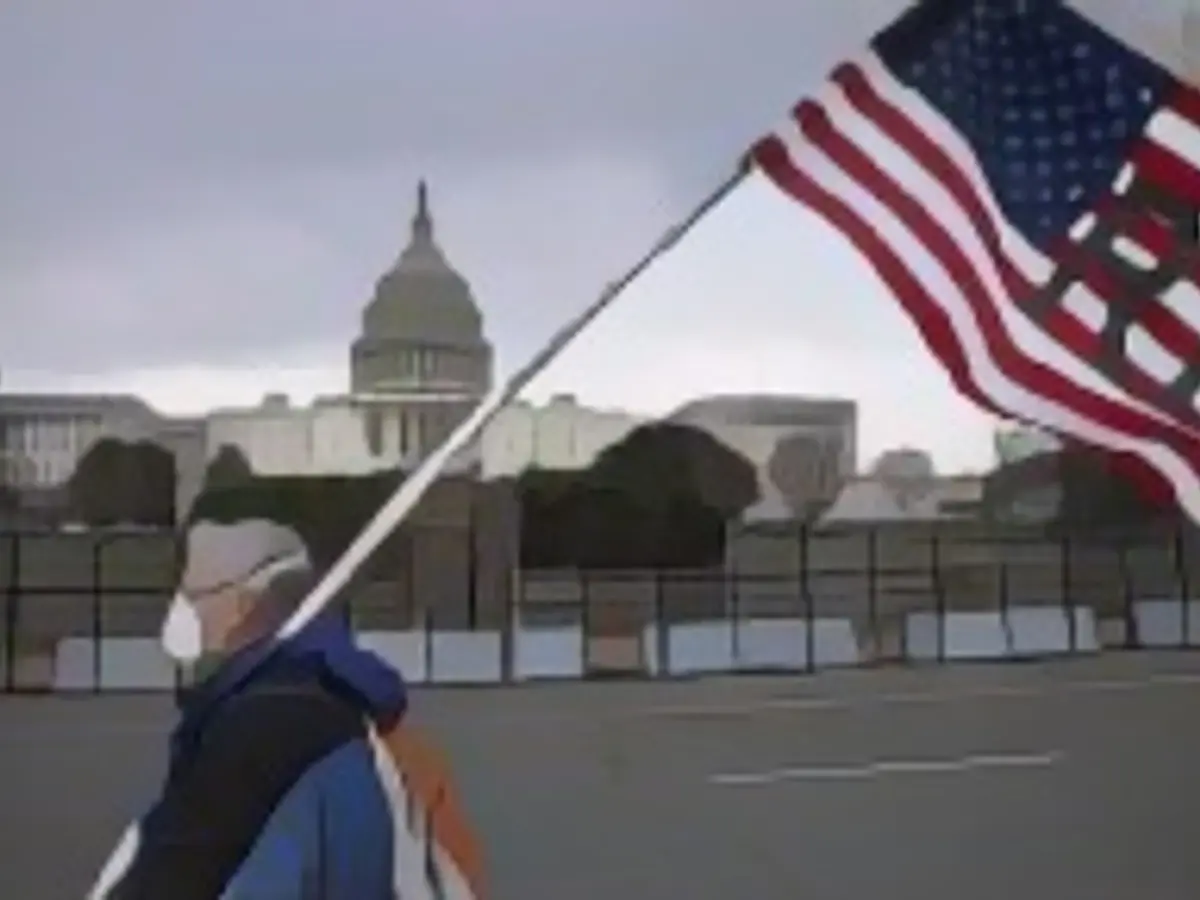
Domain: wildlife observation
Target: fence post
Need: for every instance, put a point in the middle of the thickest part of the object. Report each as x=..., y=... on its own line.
x=427, y=619
x=939, y=591
x=735, y=617
x=873, y=595
x=1068, y=594
x=662, y=643
x=97, y=615
x=514, y=585
x=1185, y=591
x=11, y=617
x=1004, y=605
x=1132, y=639
x=585, y=620
x=810, y=638
x=472, y=568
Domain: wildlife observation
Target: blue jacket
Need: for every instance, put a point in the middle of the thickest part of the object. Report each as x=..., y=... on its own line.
x=277, y=787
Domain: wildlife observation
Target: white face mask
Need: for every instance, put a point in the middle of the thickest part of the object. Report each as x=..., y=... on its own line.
x=182, y=635
x=182, y=632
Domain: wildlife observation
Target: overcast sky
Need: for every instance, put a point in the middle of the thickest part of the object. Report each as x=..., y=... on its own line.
x=196, y=198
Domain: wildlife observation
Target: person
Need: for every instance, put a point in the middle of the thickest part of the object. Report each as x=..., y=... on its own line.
x=294, y=771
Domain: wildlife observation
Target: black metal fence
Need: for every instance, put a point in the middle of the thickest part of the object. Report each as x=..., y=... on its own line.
x=81, y=611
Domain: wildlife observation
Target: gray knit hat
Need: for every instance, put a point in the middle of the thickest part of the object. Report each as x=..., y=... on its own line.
x=250, y=552
x=218, y=555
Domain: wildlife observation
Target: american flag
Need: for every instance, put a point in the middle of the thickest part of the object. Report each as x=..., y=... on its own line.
x=1027, y=187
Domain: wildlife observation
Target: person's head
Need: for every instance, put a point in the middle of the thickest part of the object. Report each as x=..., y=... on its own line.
x=239, y=582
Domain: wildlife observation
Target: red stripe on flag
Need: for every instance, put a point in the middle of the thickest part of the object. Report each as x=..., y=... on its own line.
x=1168, y=170
x=1185, y=100
x=1019, y=368
x=930, y=320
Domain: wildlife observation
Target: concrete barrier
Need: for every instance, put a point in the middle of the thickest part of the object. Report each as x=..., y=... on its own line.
x=966, y=635
x=551, y=652
x=752, y=645
x=1047, y=630
x=1167, y=623
x=1021, y=631
x=124, y=664
x=477, y=657
x=440, y=657
x=403, y=649
x=466, y=657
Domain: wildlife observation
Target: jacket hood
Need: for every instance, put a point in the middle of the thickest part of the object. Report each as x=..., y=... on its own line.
x=324, y=649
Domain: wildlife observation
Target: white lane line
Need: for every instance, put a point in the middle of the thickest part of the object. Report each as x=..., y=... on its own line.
x=882, y=768
x=817, y=704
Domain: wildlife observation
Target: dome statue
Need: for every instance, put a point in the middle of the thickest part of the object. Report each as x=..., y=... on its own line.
x=422, y=328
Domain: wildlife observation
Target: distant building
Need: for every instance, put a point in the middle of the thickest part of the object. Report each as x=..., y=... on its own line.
x=561, y=434
x=1019, y=442
x=903, y=486
x=422, y=361
x=755, y=425
x=336, y=434
x=185, y=438
x=44, y=436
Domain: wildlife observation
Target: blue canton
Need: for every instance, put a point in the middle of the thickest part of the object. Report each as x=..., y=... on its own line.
x=1050, y=103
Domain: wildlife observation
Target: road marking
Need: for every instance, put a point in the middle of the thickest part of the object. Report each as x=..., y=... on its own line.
x=886, y=767
x=899, y=698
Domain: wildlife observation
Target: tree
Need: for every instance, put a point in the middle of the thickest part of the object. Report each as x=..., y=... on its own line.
x=328, y=511
x=658, y=499
x=805, y=470
x=1105, y=490
x=119, y=483
x=668, y=459
x=1079, y=489
x=95, y=486
x=227, y=468
x=148, y=484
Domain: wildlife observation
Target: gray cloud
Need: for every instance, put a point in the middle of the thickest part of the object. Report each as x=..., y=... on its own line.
x=214, y=181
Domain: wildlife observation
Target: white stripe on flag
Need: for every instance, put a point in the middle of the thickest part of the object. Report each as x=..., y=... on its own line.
x=1183, y=299
x=942, y=290
x=1173, y=132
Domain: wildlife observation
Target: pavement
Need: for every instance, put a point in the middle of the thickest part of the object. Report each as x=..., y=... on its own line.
x=1064, y=780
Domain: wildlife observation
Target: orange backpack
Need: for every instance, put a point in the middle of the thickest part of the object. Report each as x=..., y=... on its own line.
x=453, y=854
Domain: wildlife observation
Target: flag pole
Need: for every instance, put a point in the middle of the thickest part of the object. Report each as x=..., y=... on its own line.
x=413, y=488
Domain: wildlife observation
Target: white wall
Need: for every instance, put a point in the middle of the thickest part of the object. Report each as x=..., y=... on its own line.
x=559, y=435
x=329, y=436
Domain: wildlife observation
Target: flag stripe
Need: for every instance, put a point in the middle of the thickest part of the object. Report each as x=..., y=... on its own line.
x=1167, y=169
x=1021, y=267
x=981, y=360
x=931, y=322
x=1186, y=102
x=963, y=251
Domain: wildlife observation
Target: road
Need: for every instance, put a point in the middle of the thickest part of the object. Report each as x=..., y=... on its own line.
x=1066, y=781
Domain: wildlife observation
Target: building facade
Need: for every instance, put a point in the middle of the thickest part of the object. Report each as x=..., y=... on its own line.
x=419, y=367
x=757, y=426
x=560, y=434
x=422, y=361
x=332, y=435
x=1019, y=442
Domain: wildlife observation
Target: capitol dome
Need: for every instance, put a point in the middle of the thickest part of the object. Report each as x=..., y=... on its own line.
x=422, y=327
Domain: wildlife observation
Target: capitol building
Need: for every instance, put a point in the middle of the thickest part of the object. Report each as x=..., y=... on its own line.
x=420, y=364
